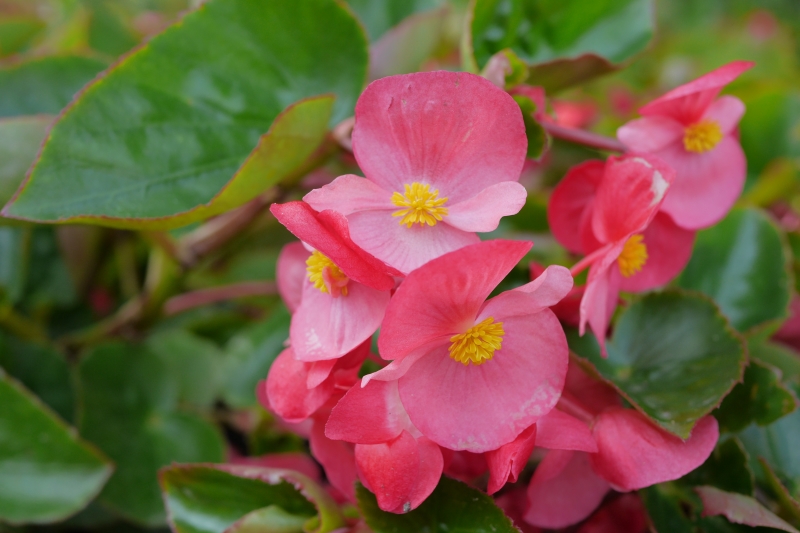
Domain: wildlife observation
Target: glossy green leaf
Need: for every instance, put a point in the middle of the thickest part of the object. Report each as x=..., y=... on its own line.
x=781, y=357
x=13, y=264
x=452, y=506
x=44, y=86
x=379, y=16
x=565, y=42
x=663, y=503
x=760, y=399
x=46, y=472
x=777, y=445
x=20, y=139
x=727, y=468
x=766, y=129
x=672, y=355
x=270, y=519
x=742, y=264
x=129, y=408
x=162, y=133
x=211, y=499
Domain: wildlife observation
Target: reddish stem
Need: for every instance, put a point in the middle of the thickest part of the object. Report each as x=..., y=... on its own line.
x=190, y=300
x=570, y=405
x=586, y=138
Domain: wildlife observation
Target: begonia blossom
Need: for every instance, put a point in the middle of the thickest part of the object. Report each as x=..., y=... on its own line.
x=441, y=153
x=345, y=291
x=694, y=132
x=474, y=374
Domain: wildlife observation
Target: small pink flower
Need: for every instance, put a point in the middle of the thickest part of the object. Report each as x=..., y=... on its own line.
x=695, y=132
x=474, y=374
x=345, y=290
x=442, y=153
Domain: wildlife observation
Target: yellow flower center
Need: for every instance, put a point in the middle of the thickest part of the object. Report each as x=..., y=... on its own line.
x=420, y=204
x=325, y=275
x=702, y=136
x=633, y=256
x=478, y=344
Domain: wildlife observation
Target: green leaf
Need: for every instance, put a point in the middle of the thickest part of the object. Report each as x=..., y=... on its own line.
x=564, y=42
x=761, y=399
x=46, y=472
x=129, y=408
x=211, y=498
x=379, y=16
x=453, y=506
x=672, y=355
x=162, y=133
x=726, y=468
x=13, y=264
x=20, y=139
x=663, y=504
x=777, y=355
x=777, y=445
x=740, y=509
x=270, y=519
x=538, y=139
x=742, y=264
x=766, y=129
x=44, y=86
x=16, y=32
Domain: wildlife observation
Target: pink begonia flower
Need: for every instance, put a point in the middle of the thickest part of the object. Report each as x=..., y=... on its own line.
x=442, y=154
x=694, y=132
x=610, y=212
x=474, y=374
x=345, y=292
x=394, y=460
x=337, y=457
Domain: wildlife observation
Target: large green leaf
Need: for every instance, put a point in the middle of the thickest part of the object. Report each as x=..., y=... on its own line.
x=46, y=472
x=44, y=86
x=129, y=408
x=162, y=132
x=20, y=139
x=742, y=264
x=379, y=16
x=452, y=506
x=210, y=499
x=565, y=42
x=672, y=355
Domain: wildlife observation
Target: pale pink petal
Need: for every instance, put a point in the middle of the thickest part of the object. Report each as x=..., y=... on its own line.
x=318, y=371
x=650, y=134
x=337, y=459
x=559, y=431
x=431, y=464
x=568, y=209
x=290, y=274
x=669, y=248
x=633, y=453
x=541, y=293
x=706, y=185
x=564, y=490
x=443, y=297
x=368, y=415
x=601, y=296
x=344, y=370
x=348, y=194
x=404, y=248
x=325, y=327
x=398, y=368
x=506, y=462
x=481, y=407
x=483, y=211
x=453, y=130
x=590, y=394
x=726, y=111
x=286, y=389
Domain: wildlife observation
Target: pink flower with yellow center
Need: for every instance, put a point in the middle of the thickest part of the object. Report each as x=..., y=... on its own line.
x=441, y=153
x=694, y=132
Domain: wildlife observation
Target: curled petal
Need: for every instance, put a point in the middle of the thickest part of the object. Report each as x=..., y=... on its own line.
x=348, y=194
x=647, y=135
x=506, y=462
x=368, y=415
x=483, y=211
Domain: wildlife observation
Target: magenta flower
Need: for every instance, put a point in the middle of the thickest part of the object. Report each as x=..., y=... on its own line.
x=694, y=132
x=345, y=290
x=442, y=153
x=474, y=374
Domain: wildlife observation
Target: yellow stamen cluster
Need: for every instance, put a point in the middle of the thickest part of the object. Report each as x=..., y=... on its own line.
x=633, y=256
x=702, y=136
x=325, y=275
x=420, y=204
x=478, y=344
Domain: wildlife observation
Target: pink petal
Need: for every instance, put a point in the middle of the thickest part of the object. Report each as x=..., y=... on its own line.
x=405, y=248
x=344, y=370
x=601, y=296
x=564, y=490
x=430, y=471
x=633, y=453
x=297, y=461
x=328, y=232
x=629, y=196
x=569, y=204
x=348, y=194
x=726, y=111
x=443, y=297
x=286, y=389
x=483, y=211
x=559, y=431
x=592, y=395
x=480, y=408
x=624, y=514
x=688, y=102
x=398, y=368
x=325, y=327
x=707, y=185
x=650, y=134
x=464, y=466
x=669, y=248
x=541, y=293
x=452, y=130
x=368, y=415
x=291, y=274
x=506, y=462
x=337, y=459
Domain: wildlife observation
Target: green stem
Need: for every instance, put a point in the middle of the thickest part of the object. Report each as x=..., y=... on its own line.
x=21, y=326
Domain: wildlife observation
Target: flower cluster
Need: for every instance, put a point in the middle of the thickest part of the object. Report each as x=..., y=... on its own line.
x=468, y=380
